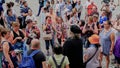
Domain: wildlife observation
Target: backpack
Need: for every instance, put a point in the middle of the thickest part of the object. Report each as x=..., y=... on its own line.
x=58, y=66
x=116, y=50
x=28, y=61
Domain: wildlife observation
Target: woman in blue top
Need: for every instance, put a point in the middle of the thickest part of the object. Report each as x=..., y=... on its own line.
x=10, y=18
x=107, y=39
x=69, y=7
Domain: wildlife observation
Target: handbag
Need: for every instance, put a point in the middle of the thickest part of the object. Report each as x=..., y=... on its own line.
x=47, y=36
x=85, y=63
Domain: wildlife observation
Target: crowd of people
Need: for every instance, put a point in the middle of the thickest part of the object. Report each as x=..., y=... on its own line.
x=75, y=42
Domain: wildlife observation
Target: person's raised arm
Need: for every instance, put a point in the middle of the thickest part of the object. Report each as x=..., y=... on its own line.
x=53, y=27
x=84, y=29
x=95, y=29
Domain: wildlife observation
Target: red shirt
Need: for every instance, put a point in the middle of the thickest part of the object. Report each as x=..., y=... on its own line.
x=89, y=8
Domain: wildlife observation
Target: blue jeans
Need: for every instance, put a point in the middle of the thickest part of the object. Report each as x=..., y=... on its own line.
x=48, y=42
x=45, y=1
x=79, y=15
x=39, y=10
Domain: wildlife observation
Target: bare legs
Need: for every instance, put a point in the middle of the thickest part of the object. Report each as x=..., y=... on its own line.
x=107, y=60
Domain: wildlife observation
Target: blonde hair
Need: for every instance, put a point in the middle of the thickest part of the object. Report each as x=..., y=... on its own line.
x=15, y=24
x=90, y=18
x=68, y=1
x=74, y=10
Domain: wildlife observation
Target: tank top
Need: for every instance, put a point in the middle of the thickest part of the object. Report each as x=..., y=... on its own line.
x=105, y=41
x=12, y=57
x=48, y=29
x=16, y=35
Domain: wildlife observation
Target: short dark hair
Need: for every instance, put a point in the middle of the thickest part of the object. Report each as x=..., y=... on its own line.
x=109, y=22
x=47, y=17
x=8, y=5
x=82, y=22
x=57, y=49
x=12, y=4
x=29, y=21
x=24, y=2
x=8, y=11
x=48, y=2
x=45, y=9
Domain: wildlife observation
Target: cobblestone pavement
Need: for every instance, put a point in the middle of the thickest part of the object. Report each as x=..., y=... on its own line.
x=34, y=5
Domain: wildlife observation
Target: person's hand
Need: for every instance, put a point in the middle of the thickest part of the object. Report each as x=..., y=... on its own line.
x=26, y=14
x=19, y=38
x=11, y=65
x=111, y=52
x=59, y=32
x=34, y=30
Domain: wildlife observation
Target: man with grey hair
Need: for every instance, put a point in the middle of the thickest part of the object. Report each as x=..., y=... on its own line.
x=39, y=58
